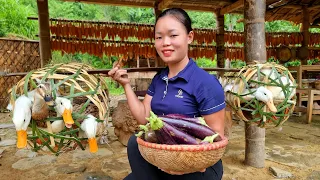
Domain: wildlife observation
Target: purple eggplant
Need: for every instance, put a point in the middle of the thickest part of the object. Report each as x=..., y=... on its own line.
x=179, y=136
x=168, y=134
x=164, y=138
x=195, y=129
x=198, y=120
x=150, y=136
x=147, y=134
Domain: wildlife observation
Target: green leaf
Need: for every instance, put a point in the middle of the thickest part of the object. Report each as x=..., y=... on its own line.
x=50, y=72
x=81, y=94
x=53, y=91
x=26, y=83
x=66, y=79
x=84, y=106
x=71, y=91
x=14, y=95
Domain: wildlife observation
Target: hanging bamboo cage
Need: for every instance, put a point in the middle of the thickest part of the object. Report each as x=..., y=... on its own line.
x=242, y=97
x=88, y=93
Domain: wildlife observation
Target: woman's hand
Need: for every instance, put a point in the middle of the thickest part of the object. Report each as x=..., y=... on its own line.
x=177, y=173
x=119, y=75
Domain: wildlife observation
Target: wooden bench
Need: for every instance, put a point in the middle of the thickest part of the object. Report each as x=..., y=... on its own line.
x=311, y=96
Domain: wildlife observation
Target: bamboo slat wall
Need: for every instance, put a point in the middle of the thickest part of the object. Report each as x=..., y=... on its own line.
x=16, y=56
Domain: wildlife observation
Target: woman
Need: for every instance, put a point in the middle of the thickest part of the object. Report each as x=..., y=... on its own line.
x=180, y=88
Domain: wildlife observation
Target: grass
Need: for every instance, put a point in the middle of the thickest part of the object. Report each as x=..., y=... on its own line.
x=113, y=89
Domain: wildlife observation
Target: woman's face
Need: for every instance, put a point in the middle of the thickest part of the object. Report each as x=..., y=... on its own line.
x=172, y=39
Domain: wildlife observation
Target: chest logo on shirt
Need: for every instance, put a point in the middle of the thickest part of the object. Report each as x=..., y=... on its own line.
x=179, y=95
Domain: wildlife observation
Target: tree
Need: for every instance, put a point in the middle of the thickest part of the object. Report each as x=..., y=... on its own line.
x=13, y=19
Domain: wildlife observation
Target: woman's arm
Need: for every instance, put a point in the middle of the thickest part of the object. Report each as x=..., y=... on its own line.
x=140, y=110
x=216, y=121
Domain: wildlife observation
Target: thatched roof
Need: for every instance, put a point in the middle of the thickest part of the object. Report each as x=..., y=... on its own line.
x=291, y=10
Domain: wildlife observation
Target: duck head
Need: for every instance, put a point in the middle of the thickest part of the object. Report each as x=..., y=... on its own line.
x=89, y=126
x=64, y=108
x=266, y=96
x=21, y=119
x=44, y=90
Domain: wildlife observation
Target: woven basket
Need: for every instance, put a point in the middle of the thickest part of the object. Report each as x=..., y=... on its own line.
x=182, y=158
x=255, y=111
x=76, y=88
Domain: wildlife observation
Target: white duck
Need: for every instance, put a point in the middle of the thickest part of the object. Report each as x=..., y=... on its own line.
x=21, y=119
x=89, y=126
x=260, y=93
x=63, y=108
x=277, y=91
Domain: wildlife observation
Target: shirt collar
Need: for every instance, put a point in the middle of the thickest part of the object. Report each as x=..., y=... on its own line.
x=184, y=74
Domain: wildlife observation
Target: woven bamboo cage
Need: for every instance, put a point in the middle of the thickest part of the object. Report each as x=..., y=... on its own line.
x=245, y=83
x=88, y=94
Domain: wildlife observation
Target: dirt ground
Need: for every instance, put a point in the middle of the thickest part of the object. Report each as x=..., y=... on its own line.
x=294, y=148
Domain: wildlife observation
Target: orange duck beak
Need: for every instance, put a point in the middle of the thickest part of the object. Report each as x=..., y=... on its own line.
x=67, y=118
x=271, y=106
x=93, y=146
x=22, y=139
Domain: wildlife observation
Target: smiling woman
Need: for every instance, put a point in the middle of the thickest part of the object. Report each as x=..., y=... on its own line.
x=180, y=88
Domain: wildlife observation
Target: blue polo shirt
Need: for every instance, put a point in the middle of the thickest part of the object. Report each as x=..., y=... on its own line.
x=192, y=92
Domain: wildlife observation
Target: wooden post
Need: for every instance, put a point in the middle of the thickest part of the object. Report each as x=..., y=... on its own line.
x=44, y=32
x=254, y=31
x=220, y=43
x=255, y=50
x=305, y=31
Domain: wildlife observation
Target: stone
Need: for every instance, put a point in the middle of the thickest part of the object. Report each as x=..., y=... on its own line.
x=95, y=176
x=82, y=155
x=315, y=175
x=86, y=154
x=116, y=167
x=1, y=151
x=25, y=153
x=124, y=151
x=294, y=158
x=71, y=168
x=279, y=173
x=123, y=121
x=5, y=126
x=117, y=144
x=8, y=142
x=104, y=152
x=28, y=163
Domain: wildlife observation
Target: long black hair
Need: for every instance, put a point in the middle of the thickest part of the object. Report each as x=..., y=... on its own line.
x=180, y=14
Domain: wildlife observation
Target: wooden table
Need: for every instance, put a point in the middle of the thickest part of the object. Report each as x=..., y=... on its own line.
x=303, y=68
x=312, y=94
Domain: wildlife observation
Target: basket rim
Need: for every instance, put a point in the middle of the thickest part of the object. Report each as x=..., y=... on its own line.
x=190, y=148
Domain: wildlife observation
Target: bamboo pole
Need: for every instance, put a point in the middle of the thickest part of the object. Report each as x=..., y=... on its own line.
x=305, y=31
x=44, y=32
x=141, y=69
x=255, y=50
